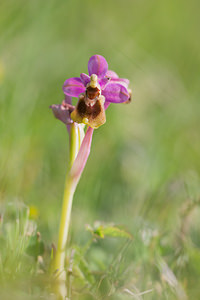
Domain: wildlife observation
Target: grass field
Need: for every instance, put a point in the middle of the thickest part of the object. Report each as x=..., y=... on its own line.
x=144, y=169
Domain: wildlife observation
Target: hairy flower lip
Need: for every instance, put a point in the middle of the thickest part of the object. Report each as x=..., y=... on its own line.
x=90, y=112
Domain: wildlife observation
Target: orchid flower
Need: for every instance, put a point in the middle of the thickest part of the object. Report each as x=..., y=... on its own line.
x=95, y=92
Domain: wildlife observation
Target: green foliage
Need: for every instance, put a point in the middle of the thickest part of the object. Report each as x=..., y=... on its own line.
x=35, y=247
x=101, y=230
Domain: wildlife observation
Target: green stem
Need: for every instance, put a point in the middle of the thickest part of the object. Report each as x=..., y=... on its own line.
x=70, y=187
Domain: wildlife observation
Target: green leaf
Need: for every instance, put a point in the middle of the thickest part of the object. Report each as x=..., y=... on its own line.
x=35, y=246
x=102, y=230
x=116, y=232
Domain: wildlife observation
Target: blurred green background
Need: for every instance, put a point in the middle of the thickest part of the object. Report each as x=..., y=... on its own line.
x=144, y=167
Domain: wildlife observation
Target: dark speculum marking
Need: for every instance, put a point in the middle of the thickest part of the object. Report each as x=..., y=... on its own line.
x=92, y=93
x=95, y=109
x=81, y=108
x=88, y=111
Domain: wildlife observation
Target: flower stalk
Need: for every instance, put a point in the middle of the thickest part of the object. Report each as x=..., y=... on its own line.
x=79, y=152
x=69, y=190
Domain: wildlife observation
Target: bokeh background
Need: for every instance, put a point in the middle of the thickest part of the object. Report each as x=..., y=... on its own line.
x=144, y=167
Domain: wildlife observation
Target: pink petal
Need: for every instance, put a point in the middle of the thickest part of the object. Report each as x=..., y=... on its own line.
x=116, y=93
x=85, y=78
x=123, y=81
x=103, y=82
x=111, y=74
x=73, y=87
x=115, y=78
x=97, y=65
x=81, y=159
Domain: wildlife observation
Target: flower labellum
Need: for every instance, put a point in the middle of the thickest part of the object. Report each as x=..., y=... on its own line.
x=90, y=107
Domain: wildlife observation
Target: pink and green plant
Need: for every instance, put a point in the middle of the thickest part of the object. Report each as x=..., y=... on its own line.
x=95, y=92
